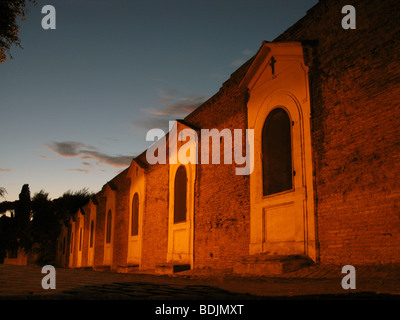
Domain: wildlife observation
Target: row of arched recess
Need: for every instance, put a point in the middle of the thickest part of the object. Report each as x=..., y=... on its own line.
x=276, y=163
x=277, y=176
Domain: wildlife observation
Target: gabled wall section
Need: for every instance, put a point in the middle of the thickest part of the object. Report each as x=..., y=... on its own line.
x=282, y=223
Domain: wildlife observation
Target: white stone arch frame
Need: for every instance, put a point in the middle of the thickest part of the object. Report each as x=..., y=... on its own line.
x=260, y=147
x=181, y=234
x=137, y=176
x=63, y=248
x=140, y=199
x=185, y=256
x=80, y=237
x=92, y=218
x=72, y=244
x=286, y=101
x=110, y=206
x=302, y=171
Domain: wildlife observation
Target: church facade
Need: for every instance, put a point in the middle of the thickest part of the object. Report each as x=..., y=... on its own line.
x=322, y=103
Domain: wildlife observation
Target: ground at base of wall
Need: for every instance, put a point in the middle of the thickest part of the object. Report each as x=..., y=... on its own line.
x=318, y=281
x=308, y=281
x=315, y=271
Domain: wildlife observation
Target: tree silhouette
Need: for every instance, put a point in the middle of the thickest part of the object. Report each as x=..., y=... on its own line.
x=35, y=224
x=10, y=11
x=23, y=206
x=44, y=228
x=14, y=233
x=69, y=203
x=2, y=192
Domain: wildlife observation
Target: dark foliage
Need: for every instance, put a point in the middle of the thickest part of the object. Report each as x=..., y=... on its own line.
x=10, y=12
x=34, y=224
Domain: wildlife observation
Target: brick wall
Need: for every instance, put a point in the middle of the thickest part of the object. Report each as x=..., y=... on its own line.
x=155, y=220
x=85, y=235
x=121, y=222
x=100, y=229
x=355, y=89
x=354, y=81
x=222, y=212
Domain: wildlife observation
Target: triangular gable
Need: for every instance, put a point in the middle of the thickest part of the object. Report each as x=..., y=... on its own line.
x=136, y=163
x=93, y=201
x=176, y=141
x=81, y=212
x=168, y=142
x=109, y=188
x=269, y=58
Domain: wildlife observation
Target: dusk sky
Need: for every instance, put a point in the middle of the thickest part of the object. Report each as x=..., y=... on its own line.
x=77, y=101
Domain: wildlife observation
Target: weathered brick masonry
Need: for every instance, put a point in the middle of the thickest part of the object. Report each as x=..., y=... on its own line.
x=354, y=87
x=222, y=230
x=100, y=229
x=155, y=223
x=121, y=220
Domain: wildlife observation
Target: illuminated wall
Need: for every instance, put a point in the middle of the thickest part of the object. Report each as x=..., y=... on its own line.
x=345, y=88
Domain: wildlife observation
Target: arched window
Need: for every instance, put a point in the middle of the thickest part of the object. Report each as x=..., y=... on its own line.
x=80, y=239
x=72, y=242
x=180, y=188
x=108, y=227
x=135, y=216
x=277, y=152
x=91, y=234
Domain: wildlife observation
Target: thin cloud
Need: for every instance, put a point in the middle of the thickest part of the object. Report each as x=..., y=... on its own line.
x=5, y=170
x=238, y=62
x=114, y=161
x=179, y=109
x=77, y=170
x=218, y=75
x=157, y=79
x=66, y=149
x=174, y=106
x=45, y=158
x=71, y=149
x=111, y=139
x=168, y=95
x=247, y=52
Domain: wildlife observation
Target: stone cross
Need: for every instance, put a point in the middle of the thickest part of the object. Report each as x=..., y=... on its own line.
x=272, y=64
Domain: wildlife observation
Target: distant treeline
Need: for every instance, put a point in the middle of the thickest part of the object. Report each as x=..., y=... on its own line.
x=33, y=223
